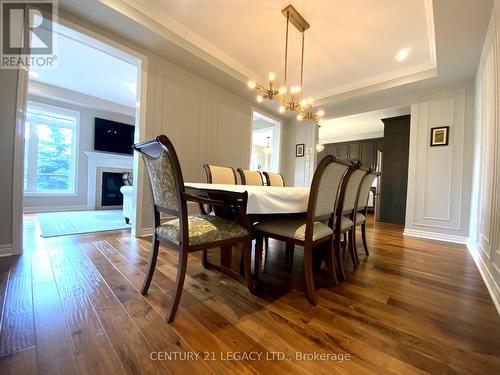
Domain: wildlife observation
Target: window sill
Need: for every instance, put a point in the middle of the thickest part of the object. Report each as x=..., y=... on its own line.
x=31, y=194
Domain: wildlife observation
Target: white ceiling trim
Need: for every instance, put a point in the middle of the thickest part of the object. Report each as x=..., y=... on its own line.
x=176, y=33
x=190, y=41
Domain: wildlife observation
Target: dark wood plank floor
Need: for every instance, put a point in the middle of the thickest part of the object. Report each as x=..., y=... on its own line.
x=71, y=305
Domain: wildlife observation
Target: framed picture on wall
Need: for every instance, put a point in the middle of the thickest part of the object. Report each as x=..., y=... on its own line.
x=299, y=150
x=440, y=136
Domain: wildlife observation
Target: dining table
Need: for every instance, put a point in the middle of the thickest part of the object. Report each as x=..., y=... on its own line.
x=262, y=202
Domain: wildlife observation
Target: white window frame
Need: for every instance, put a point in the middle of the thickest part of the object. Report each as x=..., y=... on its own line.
x=33, y=151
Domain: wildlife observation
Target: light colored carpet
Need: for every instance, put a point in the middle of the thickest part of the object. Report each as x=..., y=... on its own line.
x=54, y=224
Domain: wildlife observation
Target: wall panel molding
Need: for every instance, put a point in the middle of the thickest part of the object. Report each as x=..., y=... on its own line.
x=439, y=177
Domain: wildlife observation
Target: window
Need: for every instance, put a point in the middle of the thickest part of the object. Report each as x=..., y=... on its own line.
x=265, y=143
x=50, y=150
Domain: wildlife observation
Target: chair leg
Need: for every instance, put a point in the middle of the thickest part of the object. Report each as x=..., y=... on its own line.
x=354, y=236
x=337, y=249
x=351, y=247
x=329, y=260
x=204, y=258
x=363, y=237
x=258, y=253
x=179, y=284
x=308, y=274
x=247, y=264
x=152, y=265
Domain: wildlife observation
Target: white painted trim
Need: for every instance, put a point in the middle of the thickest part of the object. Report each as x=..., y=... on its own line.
x=435, y=236
x=145, y=232
x=37, y=209
x=489, y=281
x=6, y=250
x=18, y=163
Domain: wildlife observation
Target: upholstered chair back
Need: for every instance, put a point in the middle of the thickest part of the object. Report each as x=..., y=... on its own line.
x=326, y=183
x=274, y=179
x=165, y=176
x=364, y=190
x=217, y=174
x=351, y=188
x=250, y=177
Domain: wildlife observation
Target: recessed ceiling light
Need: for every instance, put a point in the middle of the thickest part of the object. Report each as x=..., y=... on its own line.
x=33, y=74
x=402, y=54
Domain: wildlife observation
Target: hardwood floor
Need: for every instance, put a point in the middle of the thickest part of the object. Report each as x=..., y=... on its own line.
x=71, y=305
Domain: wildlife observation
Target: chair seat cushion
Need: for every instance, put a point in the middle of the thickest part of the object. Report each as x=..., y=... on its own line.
x=293, y=227
x=203, y=229
x=360, y=218
x=345, y=224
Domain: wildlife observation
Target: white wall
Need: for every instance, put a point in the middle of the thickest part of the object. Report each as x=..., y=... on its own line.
x=298, y=171
x=205, y=123
x=484, y=241
x=85, y=143
x=439, y=178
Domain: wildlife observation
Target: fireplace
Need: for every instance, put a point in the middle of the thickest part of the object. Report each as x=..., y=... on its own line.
x=100, y=163
x=110, y=189
x=108, y=184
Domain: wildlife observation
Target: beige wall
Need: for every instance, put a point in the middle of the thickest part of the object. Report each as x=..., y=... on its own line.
x=484, y=241
x=8, y=94
x=206, y=123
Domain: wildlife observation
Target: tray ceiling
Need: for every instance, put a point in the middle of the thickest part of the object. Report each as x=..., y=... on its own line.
x=350, y=45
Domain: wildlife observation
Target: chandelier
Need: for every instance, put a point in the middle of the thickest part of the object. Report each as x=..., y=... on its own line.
x=290, y=99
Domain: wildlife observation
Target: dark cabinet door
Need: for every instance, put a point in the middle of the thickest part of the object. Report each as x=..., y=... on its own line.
x=395, y=169
x=343, y=151
x=368, y=155
x=354, y=151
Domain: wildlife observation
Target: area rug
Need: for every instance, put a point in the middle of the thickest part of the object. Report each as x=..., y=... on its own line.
x=54, y=224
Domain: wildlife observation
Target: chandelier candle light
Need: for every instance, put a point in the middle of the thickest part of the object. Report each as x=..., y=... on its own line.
x=290, y=99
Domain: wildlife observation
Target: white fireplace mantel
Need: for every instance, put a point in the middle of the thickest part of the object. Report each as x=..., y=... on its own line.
x=99, y=160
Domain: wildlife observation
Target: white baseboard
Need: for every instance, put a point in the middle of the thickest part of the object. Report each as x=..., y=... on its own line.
x=434, y=236
x=145, y=232
x=493, y=287
x=32, y=210
x=6, y=250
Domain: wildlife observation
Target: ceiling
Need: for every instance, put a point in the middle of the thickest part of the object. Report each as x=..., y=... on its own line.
x=459, y=27
x=88, y=67
x=350, y=44
x=360, y=126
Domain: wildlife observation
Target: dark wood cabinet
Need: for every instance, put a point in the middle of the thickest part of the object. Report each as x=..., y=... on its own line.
x=393, y=182
x=364, y=151
x=394, y=179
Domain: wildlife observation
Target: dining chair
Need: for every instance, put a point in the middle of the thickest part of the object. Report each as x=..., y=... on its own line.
x=186, y=233
x=362, y=208
x=310, y=231
x=274, y=179
x=217, y=174
x=345, y=211
x=250, y=177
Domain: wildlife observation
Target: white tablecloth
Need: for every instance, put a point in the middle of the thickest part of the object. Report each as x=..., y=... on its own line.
x=266, y=199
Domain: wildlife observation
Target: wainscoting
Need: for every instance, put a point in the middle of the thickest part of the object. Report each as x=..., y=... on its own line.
x=439, y=178
x=484, y=242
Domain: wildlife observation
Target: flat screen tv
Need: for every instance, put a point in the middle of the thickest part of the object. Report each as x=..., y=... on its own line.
x=112, y=136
